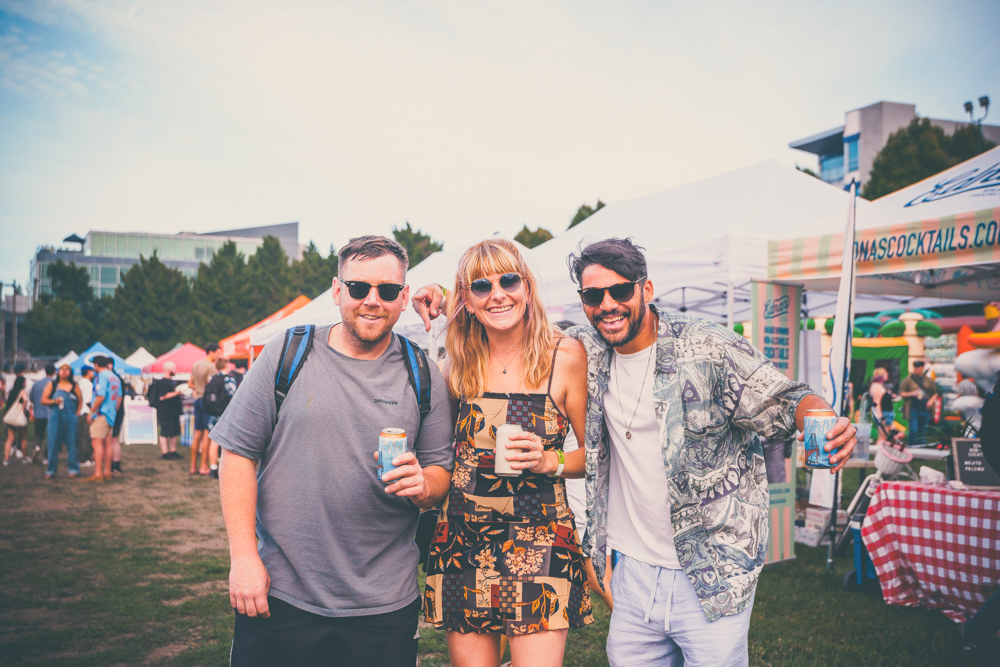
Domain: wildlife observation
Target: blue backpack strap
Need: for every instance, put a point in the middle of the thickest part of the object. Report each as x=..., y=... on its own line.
x=298, y=342
x=420, y=374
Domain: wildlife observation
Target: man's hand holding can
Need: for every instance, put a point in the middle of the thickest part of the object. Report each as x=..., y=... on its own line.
x=406, y=480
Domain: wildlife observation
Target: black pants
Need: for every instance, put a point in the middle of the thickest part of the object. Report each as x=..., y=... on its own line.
x=292, y=636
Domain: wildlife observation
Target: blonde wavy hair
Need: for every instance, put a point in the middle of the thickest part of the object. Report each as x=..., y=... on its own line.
x=466, y=343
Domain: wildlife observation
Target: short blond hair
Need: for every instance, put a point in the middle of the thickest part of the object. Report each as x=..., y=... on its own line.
x=880, y=375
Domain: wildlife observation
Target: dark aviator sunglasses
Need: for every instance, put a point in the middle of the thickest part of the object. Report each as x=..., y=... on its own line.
x=360, y=290
x=483, y=287
x=621, y=292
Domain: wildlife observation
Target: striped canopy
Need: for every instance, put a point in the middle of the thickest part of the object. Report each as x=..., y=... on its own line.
x=939, y=237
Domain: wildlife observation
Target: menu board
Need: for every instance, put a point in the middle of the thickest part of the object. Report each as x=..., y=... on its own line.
x=140, y=423
x=971, y=467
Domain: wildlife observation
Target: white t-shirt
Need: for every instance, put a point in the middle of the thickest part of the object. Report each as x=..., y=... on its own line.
x=639, y=500
x=87, y=391
x=576, y=489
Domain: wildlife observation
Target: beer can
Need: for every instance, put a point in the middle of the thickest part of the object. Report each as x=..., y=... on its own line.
x=817, y=423
x=391, y=443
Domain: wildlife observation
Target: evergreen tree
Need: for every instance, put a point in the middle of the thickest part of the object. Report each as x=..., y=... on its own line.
x=313, y=274
x=530, y=239
x=54, y=326
x=68, y=318
x=268, y=280
x=151, y=308
x=584, y=212
x=418, y=245
x=919, y=151
x=220, y=297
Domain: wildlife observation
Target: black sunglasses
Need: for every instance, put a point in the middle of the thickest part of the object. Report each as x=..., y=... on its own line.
x=622, y=292
x=509, y=282
x=386, y=291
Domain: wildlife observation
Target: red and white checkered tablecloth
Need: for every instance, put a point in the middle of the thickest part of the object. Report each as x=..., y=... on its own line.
x=934, y=546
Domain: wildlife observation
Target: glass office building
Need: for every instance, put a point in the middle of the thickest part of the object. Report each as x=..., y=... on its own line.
x=107, y=256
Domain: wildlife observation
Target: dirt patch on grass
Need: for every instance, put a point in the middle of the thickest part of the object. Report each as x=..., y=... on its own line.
x=168, y=651
x=84, y=562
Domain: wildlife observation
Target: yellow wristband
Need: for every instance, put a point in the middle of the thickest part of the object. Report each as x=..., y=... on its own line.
x=562, y=464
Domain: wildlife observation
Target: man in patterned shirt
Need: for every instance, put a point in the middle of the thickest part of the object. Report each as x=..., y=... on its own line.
x=676, y=482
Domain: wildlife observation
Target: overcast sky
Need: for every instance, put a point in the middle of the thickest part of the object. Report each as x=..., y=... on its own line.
x=463, y=118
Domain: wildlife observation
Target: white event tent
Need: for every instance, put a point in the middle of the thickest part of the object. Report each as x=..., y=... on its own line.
x=70, y=357
x=705, y=241
x=141, y=358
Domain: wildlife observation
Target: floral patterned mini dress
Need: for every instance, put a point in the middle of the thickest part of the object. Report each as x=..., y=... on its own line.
x=505, y=557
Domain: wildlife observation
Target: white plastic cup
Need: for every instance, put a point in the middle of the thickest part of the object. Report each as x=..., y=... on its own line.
x=502, y=465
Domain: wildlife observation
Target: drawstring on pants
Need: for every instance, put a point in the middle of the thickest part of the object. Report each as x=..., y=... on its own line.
x=652, y=595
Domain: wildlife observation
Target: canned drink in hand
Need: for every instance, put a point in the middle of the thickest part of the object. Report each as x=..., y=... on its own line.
x=391, y=443
x=817, y=423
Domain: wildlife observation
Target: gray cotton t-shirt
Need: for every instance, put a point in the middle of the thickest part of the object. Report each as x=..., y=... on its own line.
x=333, y=541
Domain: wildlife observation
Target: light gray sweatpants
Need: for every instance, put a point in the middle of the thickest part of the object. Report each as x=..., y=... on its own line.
x=658, y=622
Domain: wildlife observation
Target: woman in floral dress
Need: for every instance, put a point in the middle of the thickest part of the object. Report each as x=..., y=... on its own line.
x=505, y=558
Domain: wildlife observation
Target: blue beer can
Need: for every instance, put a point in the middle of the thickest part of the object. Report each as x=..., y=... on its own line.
x=817, y=423
x=391, y=443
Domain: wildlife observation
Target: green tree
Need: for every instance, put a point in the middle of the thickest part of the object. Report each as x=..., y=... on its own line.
x=584, y=212
x=418, y=245
x=269, y=280
x=55, y=326
x=152, y=308
x=313, y=274
x=220, y=297
x=68, y=318
x=919, y=151
x=530, y=239
x=807, y=170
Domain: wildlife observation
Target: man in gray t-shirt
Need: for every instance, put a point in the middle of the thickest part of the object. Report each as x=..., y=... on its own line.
x=324, y=562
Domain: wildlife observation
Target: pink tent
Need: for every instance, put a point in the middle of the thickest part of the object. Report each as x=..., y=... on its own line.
x=184, y=357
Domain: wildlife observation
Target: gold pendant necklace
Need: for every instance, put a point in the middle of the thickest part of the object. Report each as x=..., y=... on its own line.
x=628, y=426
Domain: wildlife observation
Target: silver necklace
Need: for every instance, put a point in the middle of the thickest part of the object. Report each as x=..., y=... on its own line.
x=628, y=426
x=502, y=364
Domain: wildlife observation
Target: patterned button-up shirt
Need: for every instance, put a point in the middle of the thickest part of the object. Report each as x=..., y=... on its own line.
x=714, y=394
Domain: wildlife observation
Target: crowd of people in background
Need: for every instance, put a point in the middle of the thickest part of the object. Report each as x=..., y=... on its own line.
x=84, y=414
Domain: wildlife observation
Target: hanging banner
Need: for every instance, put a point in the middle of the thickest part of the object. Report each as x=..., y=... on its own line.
x=775, y=326
x=774, y=330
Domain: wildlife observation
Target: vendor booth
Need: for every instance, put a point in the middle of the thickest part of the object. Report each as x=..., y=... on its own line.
x=184, y=358
x=237, y=346
x=98, y=349
x=936, y=238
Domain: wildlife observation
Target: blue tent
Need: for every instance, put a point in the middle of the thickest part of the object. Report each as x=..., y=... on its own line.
x=97, y=349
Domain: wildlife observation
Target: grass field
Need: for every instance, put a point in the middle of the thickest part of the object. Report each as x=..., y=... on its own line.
x=134, y=572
